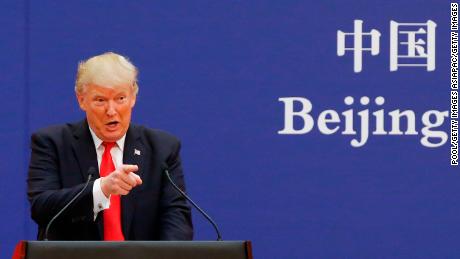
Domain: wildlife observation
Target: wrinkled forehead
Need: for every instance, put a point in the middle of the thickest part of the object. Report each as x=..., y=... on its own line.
x=108, y=89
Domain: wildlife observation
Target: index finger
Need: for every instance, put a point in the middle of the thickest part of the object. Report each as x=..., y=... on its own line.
x=129, y=168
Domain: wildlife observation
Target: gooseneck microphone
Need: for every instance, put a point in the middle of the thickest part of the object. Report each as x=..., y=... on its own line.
x=91, y=172
x=166, y=171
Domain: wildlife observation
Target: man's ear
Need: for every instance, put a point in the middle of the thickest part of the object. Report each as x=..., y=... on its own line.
x=81, y=101
x=133, y=100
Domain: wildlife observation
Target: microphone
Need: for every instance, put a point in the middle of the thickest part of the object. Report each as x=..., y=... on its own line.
x=166, y=171
x=91, y=172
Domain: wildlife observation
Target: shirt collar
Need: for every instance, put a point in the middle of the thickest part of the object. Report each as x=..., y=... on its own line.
x=97, y=141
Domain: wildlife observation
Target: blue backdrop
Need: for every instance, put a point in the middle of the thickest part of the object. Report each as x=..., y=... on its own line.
x=211, y=72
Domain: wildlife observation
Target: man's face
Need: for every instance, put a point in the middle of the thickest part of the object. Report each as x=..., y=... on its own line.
x=108, y=110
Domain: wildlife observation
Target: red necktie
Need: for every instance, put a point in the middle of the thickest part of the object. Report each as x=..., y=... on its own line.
x=112, y=215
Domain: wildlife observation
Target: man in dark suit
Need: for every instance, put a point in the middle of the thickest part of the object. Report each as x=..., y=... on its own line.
x=131, y=198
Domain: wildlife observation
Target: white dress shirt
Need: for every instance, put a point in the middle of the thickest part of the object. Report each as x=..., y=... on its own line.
x=100, y=201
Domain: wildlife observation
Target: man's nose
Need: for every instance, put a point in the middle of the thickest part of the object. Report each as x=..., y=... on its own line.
x=111, y=108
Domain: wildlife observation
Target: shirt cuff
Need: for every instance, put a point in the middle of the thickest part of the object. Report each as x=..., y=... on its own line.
x=100, y=202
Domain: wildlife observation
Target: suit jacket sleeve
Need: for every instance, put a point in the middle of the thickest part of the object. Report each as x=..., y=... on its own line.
x=175, y=218
x=45, y=191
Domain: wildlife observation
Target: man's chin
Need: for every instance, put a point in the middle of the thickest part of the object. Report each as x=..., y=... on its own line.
x=112, y=136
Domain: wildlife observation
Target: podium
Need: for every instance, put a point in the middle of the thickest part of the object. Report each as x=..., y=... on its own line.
x=133, y=250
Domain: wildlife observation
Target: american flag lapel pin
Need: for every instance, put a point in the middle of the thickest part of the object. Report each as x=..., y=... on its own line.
x=137, y=152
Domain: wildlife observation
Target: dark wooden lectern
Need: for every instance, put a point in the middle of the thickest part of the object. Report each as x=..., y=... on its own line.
x=133, y=249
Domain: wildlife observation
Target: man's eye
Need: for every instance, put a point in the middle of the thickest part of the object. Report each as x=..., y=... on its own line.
x=121, y=98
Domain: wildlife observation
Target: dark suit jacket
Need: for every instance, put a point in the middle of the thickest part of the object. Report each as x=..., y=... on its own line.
x=61, y=157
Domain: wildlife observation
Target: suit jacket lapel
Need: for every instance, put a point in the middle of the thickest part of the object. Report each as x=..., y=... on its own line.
x=133, y=153
x=85, y=152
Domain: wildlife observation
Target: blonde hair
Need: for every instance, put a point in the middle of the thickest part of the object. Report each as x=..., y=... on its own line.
x=108, y=70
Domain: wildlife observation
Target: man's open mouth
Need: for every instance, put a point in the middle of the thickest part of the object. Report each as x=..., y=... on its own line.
x=112, y=123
